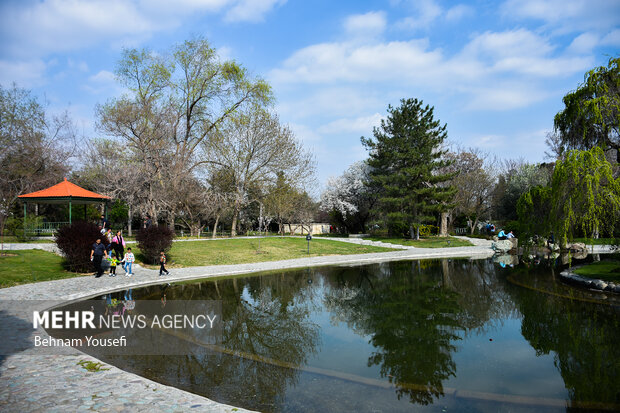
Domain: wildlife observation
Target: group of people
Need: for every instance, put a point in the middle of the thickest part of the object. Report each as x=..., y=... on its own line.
x=501, y=235
x=112, y=248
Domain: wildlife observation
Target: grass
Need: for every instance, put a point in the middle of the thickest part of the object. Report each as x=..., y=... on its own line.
x=10, y=239
x=430, y=242
x=604, y=270
x=239, y=251
x=27, y=266
x=599, y=241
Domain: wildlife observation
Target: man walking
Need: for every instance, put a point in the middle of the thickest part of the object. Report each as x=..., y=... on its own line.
x=97, y=253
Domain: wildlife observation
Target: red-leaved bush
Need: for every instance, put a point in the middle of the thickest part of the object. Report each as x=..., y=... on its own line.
x=75, y=241
x=153, y=240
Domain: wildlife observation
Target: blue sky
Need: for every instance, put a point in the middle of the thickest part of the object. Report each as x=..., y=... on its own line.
x=495, y=71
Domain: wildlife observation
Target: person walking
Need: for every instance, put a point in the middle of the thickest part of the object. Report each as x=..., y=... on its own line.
x=118, y=244
x=162, y=264
x=128, y=261
x=97, y=253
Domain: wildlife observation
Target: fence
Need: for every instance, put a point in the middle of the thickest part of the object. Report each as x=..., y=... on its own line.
x=461, y=231
x=44, y=228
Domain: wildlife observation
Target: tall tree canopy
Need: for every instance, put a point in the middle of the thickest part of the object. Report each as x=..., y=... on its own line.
x=176, y=102
x=407, y=158
x=591, y=116
x=35, y=147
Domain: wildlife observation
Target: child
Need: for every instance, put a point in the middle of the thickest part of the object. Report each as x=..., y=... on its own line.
x=128, y=260
x=113, y=262
x=162, y=264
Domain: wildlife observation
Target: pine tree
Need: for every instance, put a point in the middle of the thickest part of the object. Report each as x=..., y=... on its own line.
x=406, y=158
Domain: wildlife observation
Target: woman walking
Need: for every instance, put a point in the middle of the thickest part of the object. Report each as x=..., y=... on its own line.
x=118, y=243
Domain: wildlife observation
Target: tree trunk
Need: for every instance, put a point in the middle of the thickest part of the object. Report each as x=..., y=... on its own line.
x=443, y=226
x=129, y=220
x=473, y=227
x=217, y=219
x=171, y=220
x=411, y=232
x=233, y=226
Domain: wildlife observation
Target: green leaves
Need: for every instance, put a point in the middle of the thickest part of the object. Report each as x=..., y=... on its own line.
x=406, y=160
x=592, y=112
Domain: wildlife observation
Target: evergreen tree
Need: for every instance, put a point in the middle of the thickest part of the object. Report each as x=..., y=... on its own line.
x=406, y=158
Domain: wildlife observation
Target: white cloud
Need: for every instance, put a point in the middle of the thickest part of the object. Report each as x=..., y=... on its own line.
x=251, y=10
x=459, y=12
x=521, y=52
x=81, y=65
x=103, y=76
x=584, y=43
x=44, y=27
x=363, y=124
x=368, y=25
x=63, y=25
x=612, y=38
x=305, y=134
x=352, y=62
x=425, y=13
x=25, y=73
x=102, y=82
x=511, y=43
x=505, y=97
x=567, y=15
x=335, y=101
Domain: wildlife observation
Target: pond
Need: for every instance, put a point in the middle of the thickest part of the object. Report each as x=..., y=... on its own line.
x=430, y=335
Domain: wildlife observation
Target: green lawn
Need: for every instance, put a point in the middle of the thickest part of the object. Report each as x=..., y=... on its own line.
x=604, y=270
x=238, y=251
x=27, y=266
x=599, y=241
x=9, y=239
x=430, y=242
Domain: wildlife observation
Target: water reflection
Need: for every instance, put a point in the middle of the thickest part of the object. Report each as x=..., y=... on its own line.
x=386, y=336
x=583, y=337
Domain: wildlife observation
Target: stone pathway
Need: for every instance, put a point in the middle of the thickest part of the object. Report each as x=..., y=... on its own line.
x=31, y=382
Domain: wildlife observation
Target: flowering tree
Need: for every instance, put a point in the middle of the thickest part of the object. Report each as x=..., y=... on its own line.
x=348, y=199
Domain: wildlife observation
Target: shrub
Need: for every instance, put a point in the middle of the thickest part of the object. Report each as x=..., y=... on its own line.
x=15, y=226
x=153, y=240
x=75, y=241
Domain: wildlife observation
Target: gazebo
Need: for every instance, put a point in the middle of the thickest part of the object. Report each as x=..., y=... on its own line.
x=65, y=193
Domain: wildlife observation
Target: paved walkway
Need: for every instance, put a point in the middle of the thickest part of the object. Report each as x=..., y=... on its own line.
x=31, y=382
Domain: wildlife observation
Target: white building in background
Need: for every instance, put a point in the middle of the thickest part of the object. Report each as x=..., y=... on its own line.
x=301, y=229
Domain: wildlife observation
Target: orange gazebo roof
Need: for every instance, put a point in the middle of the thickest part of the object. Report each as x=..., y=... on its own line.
x=65, y=190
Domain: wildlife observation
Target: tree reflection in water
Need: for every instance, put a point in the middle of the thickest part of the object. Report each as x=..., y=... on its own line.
x=265, y=319
x=415, y=315
x=413, y=320
x=584, y=337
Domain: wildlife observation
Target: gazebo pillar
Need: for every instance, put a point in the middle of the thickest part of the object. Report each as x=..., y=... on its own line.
x=25, y=204
x=69, y=210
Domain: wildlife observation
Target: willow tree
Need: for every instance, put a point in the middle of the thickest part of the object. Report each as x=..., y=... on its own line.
x=407, y=160
x=591, y=115
x=585, y=196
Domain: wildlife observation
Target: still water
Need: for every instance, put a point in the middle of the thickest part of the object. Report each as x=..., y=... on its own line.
x=433, y=335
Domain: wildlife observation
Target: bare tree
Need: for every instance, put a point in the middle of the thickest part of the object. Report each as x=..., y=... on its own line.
x=250, y=150
x=36, y=149
x=474, y=182
x=177, y=101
